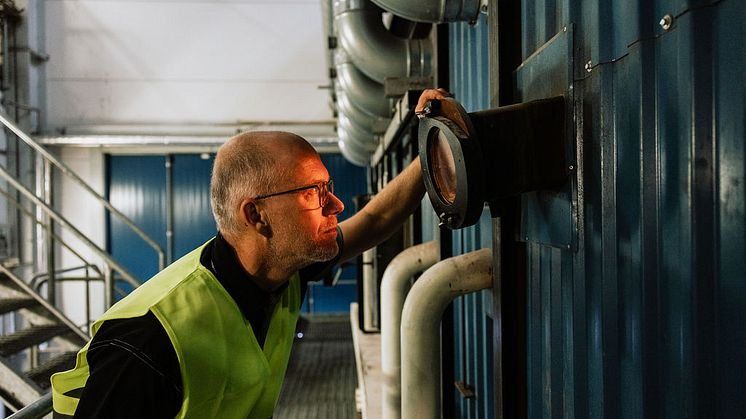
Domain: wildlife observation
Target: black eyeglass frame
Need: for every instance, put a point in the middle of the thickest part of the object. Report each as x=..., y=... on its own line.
x=325, y=188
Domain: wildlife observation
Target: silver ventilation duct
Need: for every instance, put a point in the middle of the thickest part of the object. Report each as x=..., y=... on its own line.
x=361, y=118
x=375, y=50
x=433, y=11
x=360, y=136
x=353, y=155
x=352, y=149
x=364, y=92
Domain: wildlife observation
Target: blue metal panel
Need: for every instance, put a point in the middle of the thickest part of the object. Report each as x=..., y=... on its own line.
x=729, y=107
x=548, y=216
x=193, y=220
x=469, y=64
x=137, y=186
x=650, y=300
x=644, y=317
x=337, y=299
x=469, y=81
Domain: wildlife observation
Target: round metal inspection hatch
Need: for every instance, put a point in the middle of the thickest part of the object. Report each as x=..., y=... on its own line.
x=451, y=160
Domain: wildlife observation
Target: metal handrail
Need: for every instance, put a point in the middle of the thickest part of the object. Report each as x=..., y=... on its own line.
x=41, y=300
x=126, y=276
x=44, y=276
x=49, y=157
x=35, y=410
x=62, y=242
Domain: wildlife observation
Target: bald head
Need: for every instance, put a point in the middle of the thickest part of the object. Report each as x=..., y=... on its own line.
x=251, y=164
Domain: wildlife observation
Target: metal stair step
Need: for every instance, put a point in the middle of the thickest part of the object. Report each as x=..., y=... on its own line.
x=8, y=288
x=40, y=375
x=8, y=305
x=25, y=338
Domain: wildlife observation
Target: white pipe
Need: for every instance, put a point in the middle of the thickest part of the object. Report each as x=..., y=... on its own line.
x=370, y=296
x=394, y=287
x=420, y=330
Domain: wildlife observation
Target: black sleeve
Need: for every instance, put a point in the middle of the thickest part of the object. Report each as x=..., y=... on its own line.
x=134, y=372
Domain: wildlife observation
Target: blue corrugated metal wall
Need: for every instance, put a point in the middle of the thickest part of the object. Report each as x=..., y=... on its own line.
x=643, y=316
x=469, y=80
x=136, y=186
x=193, y=221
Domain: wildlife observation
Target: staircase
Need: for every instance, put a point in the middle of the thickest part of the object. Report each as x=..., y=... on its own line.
x=30, y=324
x=36, y=339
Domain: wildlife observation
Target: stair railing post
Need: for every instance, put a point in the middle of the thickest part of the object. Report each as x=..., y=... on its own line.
x=108, y=286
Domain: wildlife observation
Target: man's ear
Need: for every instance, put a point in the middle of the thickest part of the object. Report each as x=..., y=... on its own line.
x=253, y=217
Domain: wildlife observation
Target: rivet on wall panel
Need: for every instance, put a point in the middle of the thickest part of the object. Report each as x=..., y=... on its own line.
x=666, y=22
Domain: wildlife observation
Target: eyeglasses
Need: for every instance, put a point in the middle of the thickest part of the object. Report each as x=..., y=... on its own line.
x=323, y=189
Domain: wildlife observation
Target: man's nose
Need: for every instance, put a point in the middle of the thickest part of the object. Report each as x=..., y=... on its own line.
x=334, y=206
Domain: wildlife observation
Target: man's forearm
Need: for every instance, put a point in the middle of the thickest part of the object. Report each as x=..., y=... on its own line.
x=380, y=218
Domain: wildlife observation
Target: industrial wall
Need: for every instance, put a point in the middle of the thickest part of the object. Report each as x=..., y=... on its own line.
x=635, y=271
x=473, y=314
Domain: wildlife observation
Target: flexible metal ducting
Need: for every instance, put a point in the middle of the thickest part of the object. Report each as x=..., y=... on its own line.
x=363, y=91
x=433, y=11
x=352, y=151
x=363, y=138
x=375, y=50
x=420, y=327
x=357, y=115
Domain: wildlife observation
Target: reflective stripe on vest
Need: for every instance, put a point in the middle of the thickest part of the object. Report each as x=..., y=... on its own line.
x=225, y=373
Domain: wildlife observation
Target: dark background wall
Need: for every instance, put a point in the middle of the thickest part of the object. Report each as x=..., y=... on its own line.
x=635, y=272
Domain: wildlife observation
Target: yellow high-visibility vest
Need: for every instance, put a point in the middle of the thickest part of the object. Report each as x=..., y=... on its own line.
x=224, y=371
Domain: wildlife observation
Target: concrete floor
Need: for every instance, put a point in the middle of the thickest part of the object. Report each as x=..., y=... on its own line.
x=321, y=377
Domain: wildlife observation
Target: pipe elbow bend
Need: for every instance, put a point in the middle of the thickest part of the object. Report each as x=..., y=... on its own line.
x=433, y=11
x=375, y=50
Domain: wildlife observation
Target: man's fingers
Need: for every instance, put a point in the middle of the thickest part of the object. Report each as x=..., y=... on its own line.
x=430, y=94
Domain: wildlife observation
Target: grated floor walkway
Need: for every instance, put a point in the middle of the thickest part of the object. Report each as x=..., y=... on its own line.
x=321, y=378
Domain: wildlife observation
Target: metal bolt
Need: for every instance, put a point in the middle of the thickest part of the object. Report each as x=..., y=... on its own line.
x=571, y=167
x=666, y=22
x=589, y=66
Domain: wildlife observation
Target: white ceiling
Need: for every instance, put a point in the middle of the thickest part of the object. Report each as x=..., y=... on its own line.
x=194, y=67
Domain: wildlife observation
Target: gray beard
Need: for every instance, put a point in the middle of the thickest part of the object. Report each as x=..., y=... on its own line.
x=301, y=253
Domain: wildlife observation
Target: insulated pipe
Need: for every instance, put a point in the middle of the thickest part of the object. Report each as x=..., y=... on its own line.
x=362, y=137
x=360, y=89
x=433, y=11
x=352, y=149
x=394, y=287
x=348, y=137
x=358, y=115
x=353, y=155
x=375, y=51
x=420, y=330
x=357, y=128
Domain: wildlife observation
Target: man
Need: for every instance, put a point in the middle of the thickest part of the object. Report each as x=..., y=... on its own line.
x=210, y=336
